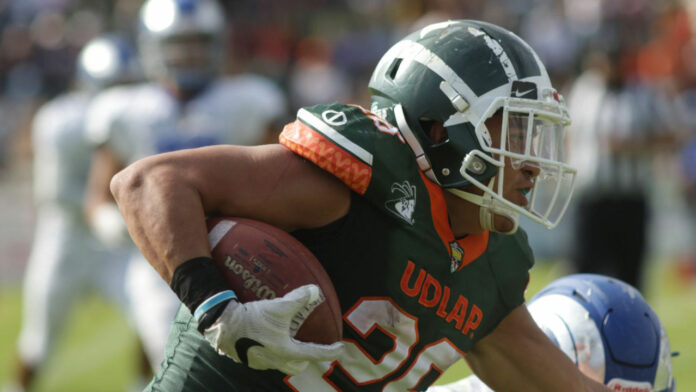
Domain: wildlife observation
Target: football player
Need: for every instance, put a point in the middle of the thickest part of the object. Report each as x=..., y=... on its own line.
x=62, y=267
x=412, y=208
x=186, y=103
x=608, y=330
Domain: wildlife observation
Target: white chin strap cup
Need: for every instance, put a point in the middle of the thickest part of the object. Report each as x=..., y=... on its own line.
x=489, y=209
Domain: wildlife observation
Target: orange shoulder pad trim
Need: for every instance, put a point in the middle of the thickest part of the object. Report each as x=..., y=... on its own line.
x=310, y=144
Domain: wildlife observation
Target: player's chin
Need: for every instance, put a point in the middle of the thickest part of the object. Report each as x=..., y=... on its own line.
x=503, y=224
x=518, y=197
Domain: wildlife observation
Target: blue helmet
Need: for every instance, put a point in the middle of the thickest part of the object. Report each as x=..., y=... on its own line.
x=106, y=60
x=182, y=42
x=605, y=326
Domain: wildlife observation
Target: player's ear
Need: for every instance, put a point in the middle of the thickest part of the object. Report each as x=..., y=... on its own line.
x=436, y=130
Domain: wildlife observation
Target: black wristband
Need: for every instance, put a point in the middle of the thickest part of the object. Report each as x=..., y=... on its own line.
x=196, y=280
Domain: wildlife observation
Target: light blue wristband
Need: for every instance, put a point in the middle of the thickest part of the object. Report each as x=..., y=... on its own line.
x=212, y=302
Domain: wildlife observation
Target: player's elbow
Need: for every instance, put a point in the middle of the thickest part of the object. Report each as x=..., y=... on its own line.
x=125, y=181
x=133, y=181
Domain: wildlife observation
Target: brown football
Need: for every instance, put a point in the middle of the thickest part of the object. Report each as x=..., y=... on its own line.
x=260, y=261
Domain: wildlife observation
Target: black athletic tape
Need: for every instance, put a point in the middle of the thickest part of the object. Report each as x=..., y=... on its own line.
x=196, y=280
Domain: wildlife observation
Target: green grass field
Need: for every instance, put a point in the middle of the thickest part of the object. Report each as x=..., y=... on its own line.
x=96, y=354
x=98, y=351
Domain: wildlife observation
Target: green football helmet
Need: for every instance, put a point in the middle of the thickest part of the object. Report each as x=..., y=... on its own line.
x=460, y=73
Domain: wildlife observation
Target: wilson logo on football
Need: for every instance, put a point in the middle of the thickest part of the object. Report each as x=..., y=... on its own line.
x=250, y=282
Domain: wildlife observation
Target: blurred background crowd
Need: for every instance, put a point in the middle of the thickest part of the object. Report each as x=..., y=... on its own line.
x=642, y=52
x=627, y=69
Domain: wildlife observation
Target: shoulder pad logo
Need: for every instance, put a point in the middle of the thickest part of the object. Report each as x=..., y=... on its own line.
x=334, y=118
x=457, y=256
x=381, y=113
x=404, y=204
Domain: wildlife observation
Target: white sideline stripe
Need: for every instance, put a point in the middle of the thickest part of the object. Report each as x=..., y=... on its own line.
x=218, y=232
x=332, y=134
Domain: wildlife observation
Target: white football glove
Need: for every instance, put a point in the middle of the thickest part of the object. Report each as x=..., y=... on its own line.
x=260, y=333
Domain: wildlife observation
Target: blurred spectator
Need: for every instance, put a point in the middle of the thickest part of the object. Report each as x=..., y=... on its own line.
x=553, y=39
x=313, y=77
x=611, y=203
x=685, y=101
x=623, y=120
x=308, y=46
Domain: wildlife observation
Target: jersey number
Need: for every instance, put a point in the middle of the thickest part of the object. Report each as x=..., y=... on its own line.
x=362, y=368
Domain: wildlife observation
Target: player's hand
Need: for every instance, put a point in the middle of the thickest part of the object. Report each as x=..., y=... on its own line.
x=260, y=333
x=108, y=226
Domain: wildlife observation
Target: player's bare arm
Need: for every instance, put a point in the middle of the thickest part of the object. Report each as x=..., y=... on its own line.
x=527, y=358
x=165, y=200
x=267, y=183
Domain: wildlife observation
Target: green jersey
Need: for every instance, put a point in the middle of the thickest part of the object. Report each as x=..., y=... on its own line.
x=414, y=297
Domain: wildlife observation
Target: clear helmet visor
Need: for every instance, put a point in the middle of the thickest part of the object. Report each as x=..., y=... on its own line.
x=528, y=140
x=535, y=143
x=533, y=136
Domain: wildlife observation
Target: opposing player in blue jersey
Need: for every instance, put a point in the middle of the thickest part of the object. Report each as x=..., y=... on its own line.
x=184, y=104
x=67, y=262
x=412, y=207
